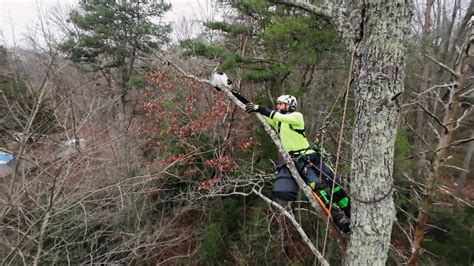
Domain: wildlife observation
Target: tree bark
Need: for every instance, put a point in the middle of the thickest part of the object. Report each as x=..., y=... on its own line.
x=379, y=73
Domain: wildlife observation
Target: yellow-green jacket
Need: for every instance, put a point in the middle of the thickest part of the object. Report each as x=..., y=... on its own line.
x=290, y=129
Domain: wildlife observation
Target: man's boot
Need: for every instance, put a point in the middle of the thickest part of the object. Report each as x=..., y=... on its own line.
x=341, y=220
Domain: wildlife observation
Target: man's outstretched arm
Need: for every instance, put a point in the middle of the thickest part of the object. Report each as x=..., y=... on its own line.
x=295, y=119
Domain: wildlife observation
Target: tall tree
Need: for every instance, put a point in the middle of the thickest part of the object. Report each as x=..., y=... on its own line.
x=111, y=36
x=443, y=122
x=376, y=32
x=424, y=83
x=279, y=48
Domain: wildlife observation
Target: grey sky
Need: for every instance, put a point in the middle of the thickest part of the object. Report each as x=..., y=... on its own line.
x=17, y=16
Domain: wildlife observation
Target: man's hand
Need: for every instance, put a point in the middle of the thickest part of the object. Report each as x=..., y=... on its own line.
x=250, y=107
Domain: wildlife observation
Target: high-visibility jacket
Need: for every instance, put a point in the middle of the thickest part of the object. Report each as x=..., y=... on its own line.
x=290, y=129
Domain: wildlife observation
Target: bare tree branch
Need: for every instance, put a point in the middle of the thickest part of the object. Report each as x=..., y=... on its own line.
x=443, y=66
x=457, y=168
x=342, y=15
x=455, y=197
x=433, y=116
x=300, y=230
x=462, y=141
x=438, y=87
x=458, y=121
x=323, y=9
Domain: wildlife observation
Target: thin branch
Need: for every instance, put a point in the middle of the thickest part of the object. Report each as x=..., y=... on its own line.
x=325, y=10
x=456, y=198
x=467, y=92
x=443, y=66
x=466, y=112
x=437, y=87
x=456, y=143
x=462, y=141
x=434, y=116
x=295, y=224
x=457, y=168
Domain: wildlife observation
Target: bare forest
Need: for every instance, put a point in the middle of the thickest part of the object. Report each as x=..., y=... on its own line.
x=117, y=147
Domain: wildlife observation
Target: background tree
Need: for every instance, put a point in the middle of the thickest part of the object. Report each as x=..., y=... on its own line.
x=429, y=95
x=379, y=51
x=111, y=36
x=272, y=49
x=17, y=101
x=447, y=109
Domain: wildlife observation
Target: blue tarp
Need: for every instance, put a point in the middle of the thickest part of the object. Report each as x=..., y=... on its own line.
x=5, y=158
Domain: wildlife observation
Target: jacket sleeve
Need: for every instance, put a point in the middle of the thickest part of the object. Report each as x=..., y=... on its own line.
x=294, y=119
x=270, y=121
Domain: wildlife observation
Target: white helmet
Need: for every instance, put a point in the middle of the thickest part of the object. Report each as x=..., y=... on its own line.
x=288, y=99
x=219, y=80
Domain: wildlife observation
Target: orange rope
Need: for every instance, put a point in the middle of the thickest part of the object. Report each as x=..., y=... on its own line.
x=323, y=206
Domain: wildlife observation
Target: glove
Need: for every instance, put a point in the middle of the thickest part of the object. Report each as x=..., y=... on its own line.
x=250, y=107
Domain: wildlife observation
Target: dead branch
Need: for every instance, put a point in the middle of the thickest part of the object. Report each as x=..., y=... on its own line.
x=295, y=224
x=438, y=87
x=443, y=66
x=433, y=116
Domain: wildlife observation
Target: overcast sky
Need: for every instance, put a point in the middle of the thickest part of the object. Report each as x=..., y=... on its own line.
x=17, y=16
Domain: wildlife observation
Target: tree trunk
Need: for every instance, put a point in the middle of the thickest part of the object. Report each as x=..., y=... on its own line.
x=424, y=84
x=465, y=165
x=378, y=31
x=122, y=100
x=379, y=74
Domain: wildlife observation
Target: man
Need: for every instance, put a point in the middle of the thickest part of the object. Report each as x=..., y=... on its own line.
x=289, y=125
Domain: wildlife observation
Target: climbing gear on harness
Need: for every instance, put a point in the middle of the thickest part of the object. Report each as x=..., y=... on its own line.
x=284, y=186
x=298, y=153
x=336, y=214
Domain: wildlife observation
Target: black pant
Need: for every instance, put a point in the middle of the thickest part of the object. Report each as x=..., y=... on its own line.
x=313, y=169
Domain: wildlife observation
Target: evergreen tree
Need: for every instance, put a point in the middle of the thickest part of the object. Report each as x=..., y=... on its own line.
x=112, y=35
x=271, y=45
x=273, y=49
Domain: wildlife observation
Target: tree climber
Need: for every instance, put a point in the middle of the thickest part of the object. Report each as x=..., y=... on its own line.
x=289, y=125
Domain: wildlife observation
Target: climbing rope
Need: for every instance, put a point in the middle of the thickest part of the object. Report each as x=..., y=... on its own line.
x=341, y=134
